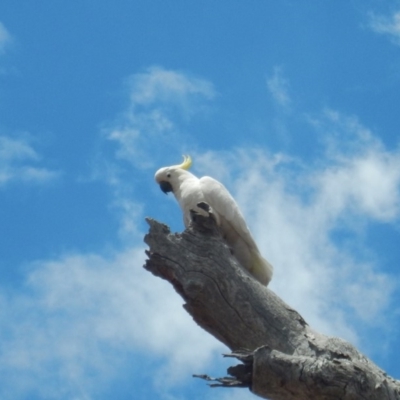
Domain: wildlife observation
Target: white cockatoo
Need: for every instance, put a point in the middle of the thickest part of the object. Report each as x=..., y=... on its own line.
x=190, y=191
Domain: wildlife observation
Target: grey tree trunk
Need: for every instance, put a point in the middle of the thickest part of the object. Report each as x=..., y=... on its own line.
x=283, y=358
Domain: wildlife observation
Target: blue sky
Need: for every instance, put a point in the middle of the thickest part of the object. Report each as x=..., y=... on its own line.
x=293, y=105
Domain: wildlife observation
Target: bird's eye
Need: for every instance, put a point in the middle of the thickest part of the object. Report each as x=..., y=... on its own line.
x=169, y=175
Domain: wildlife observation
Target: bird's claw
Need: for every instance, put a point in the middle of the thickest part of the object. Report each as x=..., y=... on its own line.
x=204, y=206
x=203, y=216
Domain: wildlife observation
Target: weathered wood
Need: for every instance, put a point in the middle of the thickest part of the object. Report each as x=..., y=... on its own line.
x=288, y=359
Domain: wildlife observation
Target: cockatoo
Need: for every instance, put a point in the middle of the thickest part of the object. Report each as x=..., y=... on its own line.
x=189, y=191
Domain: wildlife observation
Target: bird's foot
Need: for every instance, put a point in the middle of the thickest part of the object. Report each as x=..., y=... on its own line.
x=202, y=209
x=203, y=217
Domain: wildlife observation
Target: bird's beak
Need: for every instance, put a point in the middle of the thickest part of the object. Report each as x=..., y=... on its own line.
x=166, y=187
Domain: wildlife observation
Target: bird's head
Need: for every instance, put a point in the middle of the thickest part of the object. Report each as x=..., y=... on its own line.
x=168, y=177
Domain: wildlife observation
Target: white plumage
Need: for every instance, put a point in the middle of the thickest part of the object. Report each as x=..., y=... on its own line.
x=190, y=190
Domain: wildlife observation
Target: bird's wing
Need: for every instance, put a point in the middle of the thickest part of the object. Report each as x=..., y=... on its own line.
x=234, y=229
x=222, y=202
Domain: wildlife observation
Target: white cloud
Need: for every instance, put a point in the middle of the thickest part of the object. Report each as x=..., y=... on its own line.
x=16, y=149
x=368, y=183
x=387, y=25
x=5, y=38
x=17, y=160
x=160, y=100
x=84, y=316
x=361, y=173
x=278, y=86
x=167, y=86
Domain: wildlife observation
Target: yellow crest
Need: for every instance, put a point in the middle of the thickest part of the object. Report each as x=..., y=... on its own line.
x=187, y=162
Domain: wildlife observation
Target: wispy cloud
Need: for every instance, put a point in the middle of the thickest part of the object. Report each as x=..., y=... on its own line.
x=158, y=85
x=278, y=86
x=160, y=102
x=18, y=160
x=362, y=173
x=387, y=25
x=5, y=38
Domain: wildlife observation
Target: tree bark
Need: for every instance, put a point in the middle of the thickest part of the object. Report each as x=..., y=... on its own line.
x=283, y=358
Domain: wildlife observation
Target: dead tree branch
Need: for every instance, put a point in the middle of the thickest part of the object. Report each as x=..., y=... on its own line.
x=283, y=358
